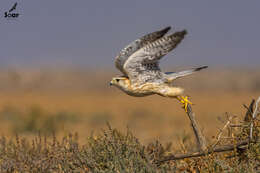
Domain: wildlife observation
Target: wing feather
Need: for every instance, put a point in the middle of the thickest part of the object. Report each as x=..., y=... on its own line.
x=125, y=53
x=156, y=50
x=143, y=65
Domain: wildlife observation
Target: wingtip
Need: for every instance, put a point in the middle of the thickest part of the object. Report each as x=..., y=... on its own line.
x=200, y=68
x=180, y=33
x=184, y=32
x=166, y=29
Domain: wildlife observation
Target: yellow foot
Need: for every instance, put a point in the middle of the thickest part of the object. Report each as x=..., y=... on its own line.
x=184, y=101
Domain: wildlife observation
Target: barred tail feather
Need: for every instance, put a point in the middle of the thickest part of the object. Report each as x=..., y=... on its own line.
x=170, y=76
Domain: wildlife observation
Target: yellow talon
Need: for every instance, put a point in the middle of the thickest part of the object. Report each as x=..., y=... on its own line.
x=184, y=101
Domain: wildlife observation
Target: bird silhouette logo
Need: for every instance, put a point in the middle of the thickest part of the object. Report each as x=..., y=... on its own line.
x=10, y=14
x=13, y=8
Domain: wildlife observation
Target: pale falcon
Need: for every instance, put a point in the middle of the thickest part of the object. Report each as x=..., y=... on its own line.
x=139, y=63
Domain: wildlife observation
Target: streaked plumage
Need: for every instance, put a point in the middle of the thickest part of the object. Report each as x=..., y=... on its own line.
x=139, y=63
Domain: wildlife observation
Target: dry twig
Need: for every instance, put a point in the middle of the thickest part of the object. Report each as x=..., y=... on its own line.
x=255, y=113
x=222, y=130
x=249, y=112
x=200, y=138
x=223, y=148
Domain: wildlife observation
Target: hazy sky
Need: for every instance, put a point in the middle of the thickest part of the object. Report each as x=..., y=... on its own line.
x=82, y=32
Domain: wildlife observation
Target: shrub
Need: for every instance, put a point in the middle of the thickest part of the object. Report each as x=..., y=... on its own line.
x=113, y=151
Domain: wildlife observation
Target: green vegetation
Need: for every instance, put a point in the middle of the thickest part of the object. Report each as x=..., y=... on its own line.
x=113, y=151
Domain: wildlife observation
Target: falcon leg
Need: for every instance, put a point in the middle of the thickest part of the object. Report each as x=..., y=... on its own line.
x=184, y=101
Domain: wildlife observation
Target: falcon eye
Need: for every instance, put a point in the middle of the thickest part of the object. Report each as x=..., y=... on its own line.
x=117, y=80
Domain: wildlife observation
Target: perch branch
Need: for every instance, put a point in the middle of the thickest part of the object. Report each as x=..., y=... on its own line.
x=222, y=148
x=200, y=138
x=254, y=117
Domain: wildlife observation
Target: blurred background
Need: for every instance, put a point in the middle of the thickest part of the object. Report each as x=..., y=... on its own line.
x=57, y=58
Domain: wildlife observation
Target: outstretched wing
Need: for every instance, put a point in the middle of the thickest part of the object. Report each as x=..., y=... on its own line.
x=125, y=53
x=143, y=65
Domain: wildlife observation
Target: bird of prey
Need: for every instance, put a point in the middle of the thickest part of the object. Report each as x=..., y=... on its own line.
x=13, y=8
x=139, y=63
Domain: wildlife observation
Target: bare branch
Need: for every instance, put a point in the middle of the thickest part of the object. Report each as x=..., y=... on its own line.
x=253, y=118
x=256, y=111
x=250, y=115
x=223, y=148
x=249, y=112
x=200, y=138
x=238, y=125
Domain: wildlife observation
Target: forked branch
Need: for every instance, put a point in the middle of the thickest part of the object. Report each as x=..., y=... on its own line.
x=222, y=130
x=201, y=141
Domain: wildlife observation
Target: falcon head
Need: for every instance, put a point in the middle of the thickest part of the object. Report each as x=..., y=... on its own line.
x=120, y=82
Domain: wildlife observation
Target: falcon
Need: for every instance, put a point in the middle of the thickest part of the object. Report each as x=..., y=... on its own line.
x=139, y=63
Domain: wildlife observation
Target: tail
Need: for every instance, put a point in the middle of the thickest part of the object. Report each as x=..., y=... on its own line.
x=170, y=76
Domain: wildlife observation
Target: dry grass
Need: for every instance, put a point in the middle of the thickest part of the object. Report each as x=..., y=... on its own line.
x=113, y=151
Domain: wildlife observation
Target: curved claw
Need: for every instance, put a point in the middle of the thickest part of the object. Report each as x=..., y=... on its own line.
x=184, y=101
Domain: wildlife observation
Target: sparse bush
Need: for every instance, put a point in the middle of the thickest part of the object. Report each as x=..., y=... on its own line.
x=110, y=152
x=113, y=151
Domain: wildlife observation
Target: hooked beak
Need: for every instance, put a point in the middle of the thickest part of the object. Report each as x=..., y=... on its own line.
x=110, y=83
